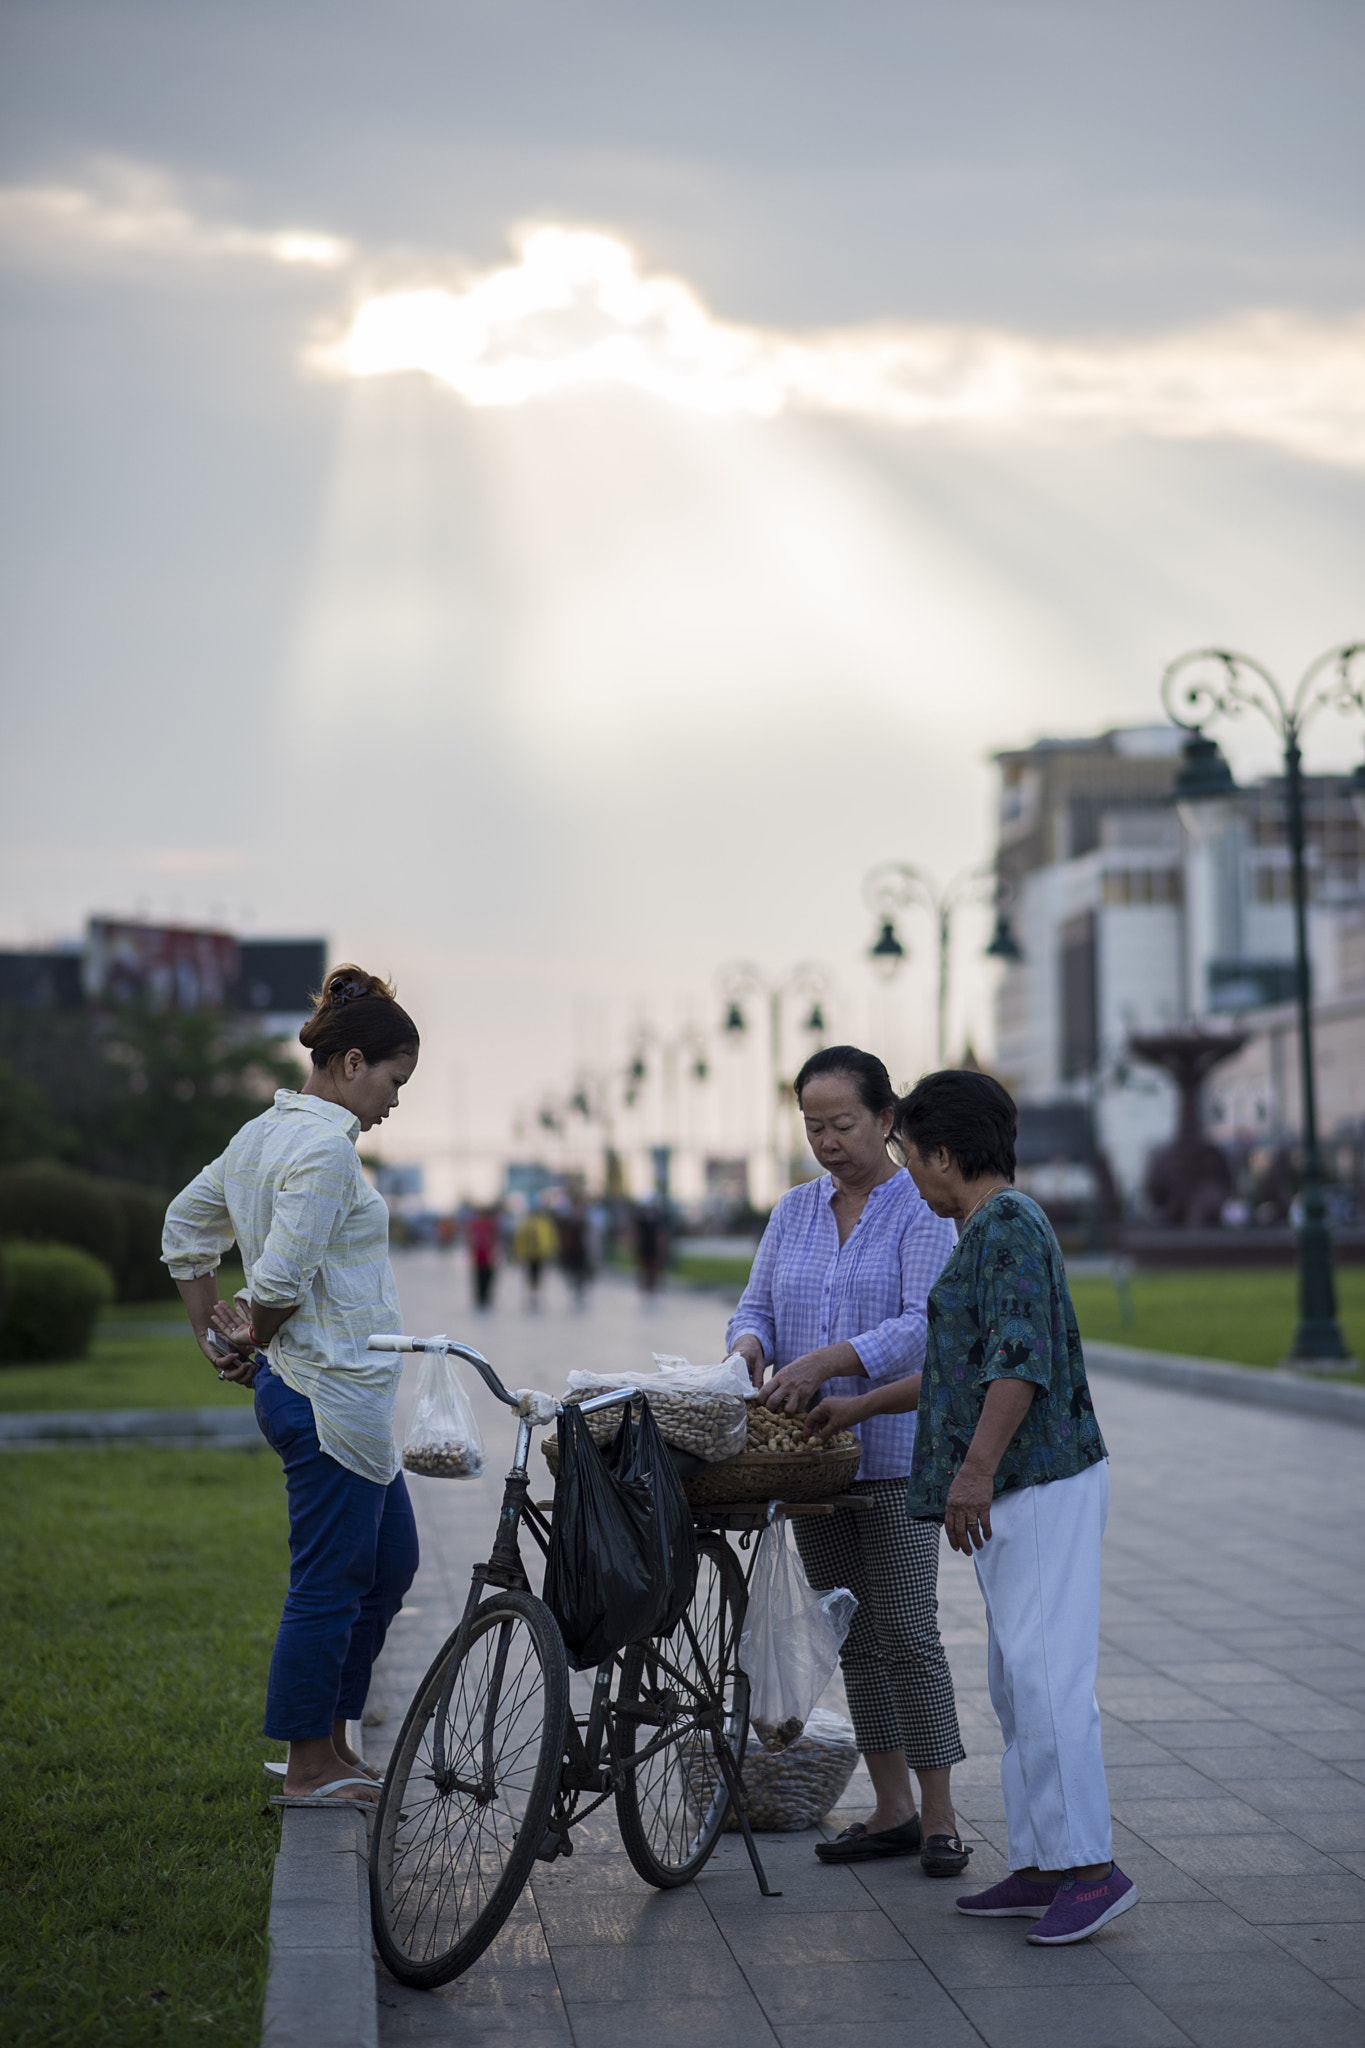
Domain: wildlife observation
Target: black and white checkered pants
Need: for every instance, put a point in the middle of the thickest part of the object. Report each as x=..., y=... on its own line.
x=900, y=1690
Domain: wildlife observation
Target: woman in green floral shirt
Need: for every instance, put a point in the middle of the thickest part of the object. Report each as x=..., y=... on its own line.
x=1009, y=1457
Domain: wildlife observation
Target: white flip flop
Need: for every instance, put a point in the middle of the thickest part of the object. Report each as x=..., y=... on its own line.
x=322, y=1797
x=274, y=1770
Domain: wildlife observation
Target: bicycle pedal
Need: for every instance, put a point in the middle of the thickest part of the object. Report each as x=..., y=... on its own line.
x=553, y=1844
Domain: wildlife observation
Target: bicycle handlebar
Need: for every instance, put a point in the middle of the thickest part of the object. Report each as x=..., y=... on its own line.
x=464, y=1351
x=485, y=1370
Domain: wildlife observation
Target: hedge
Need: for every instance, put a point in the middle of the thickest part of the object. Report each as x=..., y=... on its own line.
x=115, y=1221
x=54, y=1296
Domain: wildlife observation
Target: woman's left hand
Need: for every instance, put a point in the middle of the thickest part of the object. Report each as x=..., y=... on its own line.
x=794, y=1388
x=967, y=1511
x=234, y=1329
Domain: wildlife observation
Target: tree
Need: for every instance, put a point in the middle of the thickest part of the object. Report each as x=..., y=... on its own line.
x=148, y=1098
x=28, y=1127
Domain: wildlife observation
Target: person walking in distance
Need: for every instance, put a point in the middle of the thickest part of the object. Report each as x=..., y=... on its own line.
x=534, y=1244
x=482, y=1234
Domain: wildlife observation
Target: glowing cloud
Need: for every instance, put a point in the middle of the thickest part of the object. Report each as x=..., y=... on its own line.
x=134, y=210
x=575, y=310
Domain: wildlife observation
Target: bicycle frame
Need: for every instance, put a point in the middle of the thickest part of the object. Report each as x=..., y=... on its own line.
x=584, y=1770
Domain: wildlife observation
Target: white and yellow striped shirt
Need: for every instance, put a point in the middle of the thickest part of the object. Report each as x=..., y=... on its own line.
x=311, y=1230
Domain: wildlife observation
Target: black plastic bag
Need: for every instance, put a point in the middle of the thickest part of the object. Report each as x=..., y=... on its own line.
x=637, y=1451
x=622, y=1529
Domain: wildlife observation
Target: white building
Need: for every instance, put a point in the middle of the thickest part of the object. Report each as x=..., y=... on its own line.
x=1127, y=924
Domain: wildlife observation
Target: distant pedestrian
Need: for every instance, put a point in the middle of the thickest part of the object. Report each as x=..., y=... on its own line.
x=535, y=1243
x=574, y=1263
x=483, y=1236
x=314, y=1239
x=650, y=1245
x=1009, y=1457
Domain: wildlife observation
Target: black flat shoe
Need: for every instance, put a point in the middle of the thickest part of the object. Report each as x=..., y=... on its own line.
x=856, y=1845
x=944, y=1856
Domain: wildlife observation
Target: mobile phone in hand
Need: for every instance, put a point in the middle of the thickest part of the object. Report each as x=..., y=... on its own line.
x=220, y=1343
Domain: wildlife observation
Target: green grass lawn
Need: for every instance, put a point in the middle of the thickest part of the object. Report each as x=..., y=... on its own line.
x=711, y=1272
x=140, y=1598
x=1245, y=1314
x=122, y=1372
x=132, y=1371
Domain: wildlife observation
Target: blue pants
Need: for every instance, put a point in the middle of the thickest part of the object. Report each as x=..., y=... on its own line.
x=352, y=1557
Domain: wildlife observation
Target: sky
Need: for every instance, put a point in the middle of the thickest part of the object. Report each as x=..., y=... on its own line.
x=550, y=495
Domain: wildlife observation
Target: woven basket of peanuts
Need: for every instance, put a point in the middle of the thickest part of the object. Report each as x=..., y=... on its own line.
x=778, y=1462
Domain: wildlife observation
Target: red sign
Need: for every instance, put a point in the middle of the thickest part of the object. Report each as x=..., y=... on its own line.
x=160, y=966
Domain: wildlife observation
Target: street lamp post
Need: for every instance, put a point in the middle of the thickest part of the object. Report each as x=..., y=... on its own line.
x=895, y=885
x=740, y=982
x=1210, y=683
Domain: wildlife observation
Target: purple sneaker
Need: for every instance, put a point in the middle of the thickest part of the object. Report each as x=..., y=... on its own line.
x=1014, y=1898
x=1082, y=1906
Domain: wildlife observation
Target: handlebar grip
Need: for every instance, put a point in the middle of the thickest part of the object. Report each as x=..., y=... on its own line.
x=391, y=1344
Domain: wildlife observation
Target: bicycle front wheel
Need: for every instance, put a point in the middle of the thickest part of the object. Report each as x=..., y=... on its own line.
x=455, y=1836
x=671, y=1806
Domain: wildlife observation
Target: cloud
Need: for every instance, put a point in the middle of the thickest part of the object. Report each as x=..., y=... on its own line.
x=575, y=311
x=133, y=209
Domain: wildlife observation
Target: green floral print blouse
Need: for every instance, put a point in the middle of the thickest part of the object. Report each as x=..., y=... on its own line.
x=1000, y=1309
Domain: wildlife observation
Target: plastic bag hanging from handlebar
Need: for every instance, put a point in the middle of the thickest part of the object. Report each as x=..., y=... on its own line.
x=622, y=1563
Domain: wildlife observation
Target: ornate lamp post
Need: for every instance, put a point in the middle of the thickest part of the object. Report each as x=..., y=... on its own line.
x=1213, y=683
x=742, y=982
x=895, y=885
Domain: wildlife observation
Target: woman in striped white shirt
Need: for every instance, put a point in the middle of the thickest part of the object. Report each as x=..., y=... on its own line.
x=314, y=1240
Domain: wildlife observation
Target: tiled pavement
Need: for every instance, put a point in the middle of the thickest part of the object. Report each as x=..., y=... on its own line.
x=1232, y=1677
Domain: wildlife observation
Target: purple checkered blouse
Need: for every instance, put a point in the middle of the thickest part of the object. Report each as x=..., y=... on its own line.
x=806, y=1291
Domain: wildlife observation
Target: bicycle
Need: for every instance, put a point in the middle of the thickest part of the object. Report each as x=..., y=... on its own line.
x=511, y=1769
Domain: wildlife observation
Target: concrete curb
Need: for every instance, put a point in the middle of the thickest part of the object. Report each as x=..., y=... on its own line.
x=320, y=1992
x=1287, y=1391
x=229, y=1428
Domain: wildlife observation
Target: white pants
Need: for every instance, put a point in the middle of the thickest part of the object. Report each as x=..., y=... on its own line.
x=1040, y=1578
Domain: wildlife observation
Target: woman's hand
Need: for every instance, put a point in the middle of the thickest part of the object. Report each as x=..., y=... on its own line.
x=967, y=1510
x=836, y=1411
x=234, y=1329
x=794, y=1388
x=967, y=1507
x=751, y=1351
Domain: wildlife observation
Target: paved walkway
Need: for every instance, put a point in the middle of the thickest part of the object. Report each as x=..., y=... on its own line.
x=1232, y=1677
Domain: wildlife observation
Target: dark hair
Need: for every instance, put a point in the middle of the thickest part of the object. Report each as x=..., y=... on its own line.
x=863, y=1069
x=968, y=1114
x=357, y=1011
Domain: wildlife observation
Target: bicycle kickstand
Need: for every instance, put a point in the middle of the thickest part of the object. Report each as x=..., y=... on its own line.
x=735, y=1788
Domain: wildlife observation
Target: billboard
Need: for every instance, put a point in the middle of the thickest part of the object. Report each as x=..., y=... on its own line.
x=159, y=966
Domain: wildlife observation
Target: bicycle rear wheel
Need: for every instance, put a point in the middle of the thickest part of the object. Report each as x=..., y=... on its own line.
x=672, y=1806
x=452, y=1851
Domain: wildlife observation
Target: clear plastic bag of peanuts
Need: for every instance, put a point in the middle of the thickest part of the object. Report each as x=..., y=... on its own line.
x=790, y=1641
x=443, y=1439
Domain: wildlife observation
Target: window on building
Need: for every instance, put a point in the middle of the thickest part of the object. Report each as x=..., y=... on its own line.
x=1080, y=1007
x=1274, y=885
x=1142, y=885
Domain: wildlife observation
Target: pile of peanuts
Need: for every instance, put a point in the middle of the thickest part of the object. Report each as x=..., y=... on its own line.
x=710, y=1426
x=787, y=1790
x=799, y=1785
x=456, y=1459
x=771, y=1433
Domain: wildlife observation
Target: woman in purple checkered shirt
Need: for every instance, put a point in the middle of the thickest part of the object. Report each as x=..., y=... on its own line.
x=836, y=1302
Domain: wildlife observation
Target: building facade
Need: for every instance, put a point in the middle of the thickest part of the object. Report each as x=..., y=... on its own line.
x=1126, y=924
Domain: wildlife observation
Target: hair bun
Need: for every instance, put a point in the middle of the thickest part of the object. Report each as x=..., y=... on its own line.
x=345, y=984
x=356, y=1009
